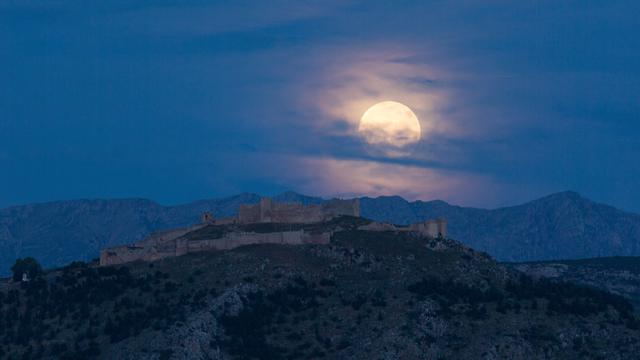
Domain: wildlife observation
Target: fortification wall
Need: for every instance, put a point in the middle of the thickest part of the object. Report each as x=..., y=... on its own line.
x=432, y=228
x=249, y=213
x=157, y=246
x=169, y=235
x=225, y=221
x=286, y=212
x=376, y=226
x=317, y=239
x=342, y=207
x=121, y=254
x=181, y=246
x=234, y=240
x=268, y=211
x=130, y=253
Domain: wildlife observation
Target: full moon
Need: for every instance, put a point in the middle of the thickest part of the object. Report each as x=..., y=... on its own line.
x=390, y=123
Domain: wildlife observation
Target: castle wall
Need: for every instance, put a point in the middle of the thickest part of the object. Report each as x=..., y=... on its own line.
x=126, y=254
x=157, y=246
x=342, y=207
x=225, y=221
x=181, y=246
x=442, y=227
x=266, y=208
x=287, y=213
x=317, y=239
x=121, y=254
x=268, y=211
x=249, y=213
x=169, y=235
x=376, y=226
x=432, y=228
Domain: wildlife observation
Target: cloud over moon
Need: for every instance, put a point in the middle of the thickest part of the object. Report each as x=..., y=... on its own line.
x=340, y=88
x=327, y=176
x=357, y=78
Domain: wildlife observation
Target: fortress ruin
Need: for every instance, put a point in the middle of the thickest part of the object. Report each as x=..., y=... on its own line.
x=266, y=222
x=268, y=211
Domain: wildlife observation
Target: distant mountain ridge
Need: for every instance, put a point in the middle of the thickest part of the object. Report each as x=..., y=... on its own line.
x=559, y=226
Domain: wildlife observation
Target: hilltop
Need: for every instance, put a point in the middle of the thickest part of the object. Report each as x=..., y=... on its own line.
x=365, y=294
x=560, y=226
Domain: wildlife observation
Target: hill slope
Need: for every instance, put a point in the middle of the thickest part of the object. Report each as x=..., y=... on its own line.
x=618, y=275
x=559, y=226
x=366, y=295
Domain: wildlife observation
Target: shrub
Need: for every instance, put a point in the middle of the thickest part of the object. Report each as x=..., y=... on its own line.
x=28, y=266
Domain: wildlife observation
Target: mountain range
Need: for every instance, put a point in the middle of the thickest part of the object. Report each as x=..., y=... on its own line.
x=559, y=226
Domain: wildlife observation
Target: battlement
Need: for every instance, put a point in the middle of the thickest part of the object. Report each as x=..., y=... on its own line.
x=432, y=228
x=152, y=249
x=267, y=211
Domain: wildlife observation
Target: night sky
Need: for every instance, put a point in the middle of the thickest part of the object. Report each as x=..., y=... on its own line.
x=182, y=100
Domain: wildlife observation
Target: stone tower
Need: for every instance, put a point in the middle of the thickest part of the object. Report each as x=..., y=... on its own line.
x=266, y=209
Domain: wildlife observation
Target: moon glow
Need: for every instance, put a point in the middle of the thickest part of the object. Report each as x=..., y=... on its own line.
x=390, y=124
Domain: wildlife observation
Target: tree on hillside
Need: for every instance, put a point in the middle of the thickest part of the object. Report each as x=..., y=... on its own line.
x=28, y=266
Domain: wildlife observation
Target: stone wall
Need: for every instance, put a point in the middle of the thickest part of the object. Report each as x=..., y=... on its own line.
x=154, y=250
x=269, y=211
x=248, y=213
x=170, y=235
x=432, y=228
x=342, y=207
x=156, y=246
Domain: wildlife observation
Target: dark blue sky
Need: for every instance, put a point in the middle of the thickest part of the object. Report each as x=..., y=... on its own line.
x=181, y=100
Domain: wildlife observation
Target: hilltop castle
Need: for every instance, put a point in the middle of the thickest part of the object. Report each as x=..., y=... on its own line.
x=266, y=222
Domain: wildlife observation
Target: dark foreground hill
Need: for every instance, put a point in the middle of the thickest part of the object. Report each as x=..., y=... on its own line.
x=560, y=226
x=367, y=295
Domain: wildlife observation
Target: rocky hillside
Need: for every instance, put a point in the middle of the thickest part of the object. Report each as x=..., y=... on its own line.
x=618, y=275
x=367, y=295
x=560, y=226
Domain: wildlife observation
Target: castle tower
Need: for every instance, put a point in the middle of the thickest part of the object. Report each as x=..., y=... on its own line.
x=266, y=209
x=207, y=218
x=442, y=227
x=431, y=228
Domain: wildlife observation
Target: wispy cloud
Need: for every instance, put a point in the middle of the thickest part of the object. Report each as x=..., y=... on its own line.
x=334, y=177
x=351, y=79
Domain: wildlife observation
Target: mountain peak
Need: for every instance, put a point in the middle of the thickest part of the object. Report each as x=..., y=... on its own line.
x=289, y=194
x=292, y=196
x=561, y=196
x=395, y=198
x=567, y=194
